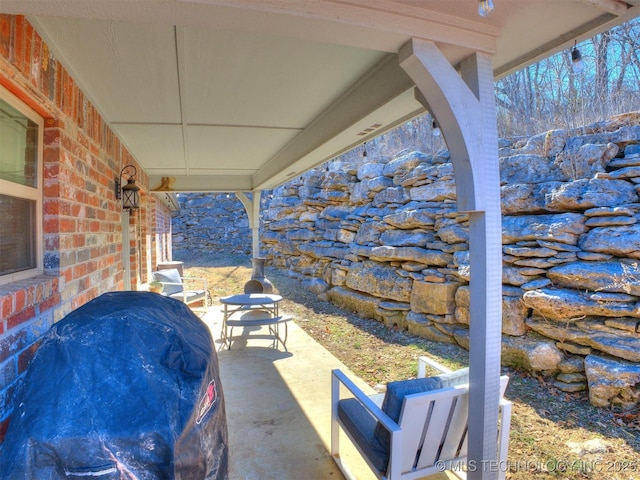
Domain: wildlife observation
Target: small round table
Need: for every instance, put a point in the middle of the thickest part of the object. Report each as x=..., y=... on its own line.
x=251, y=310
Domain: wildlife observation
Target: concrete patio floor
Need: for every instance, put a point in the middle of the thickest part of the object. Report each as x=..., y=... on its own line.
x=278, y=407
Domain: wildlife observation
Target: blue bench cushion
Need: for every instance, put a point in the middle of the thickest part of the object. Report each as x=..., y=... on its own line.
x=189, y=296
x=396, y=391
x=171, y=280
x=361, y=425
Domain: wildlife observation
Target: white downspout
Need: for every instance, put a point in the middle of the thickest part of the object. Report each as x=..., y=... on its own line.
x=126, y=249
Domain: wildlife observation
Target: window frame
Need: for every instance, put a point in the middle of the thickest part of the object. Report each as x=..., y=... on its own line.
x=26, y=192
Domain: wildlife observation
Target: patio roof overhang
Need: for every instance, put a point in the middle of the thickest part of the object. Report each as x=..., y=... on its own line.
x=242, y=95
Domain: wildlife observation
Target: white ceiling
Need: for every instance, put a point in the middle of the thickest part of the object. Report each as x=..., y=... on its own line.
x=231, y=95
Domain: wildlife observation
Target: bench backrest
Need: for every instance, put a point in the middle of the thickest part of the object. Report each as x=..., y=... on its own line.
x=434, y=426
x=171, y=280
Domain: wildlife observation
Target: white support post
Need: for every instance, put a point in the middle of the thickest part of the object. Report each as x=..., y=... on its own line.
x=463, y=104
x=252, y=207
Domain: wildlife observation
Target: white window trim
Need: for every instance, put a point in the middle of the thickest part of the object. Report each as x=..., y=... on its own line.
x=26, y=192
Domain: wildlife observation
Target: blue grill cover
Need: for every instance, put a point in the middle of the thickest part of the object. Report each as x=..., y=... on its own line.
x=126, y=386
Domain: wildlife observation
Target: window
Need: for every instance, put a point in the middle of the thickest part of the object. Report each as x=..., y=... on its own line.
x=21, y=134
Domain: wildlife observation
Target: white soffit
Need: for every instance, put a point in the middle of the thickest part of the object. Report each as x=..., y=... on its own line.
x=253, y=91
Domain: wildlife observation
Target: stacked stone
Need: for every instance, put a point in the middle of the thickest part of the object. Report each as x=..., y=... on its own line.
x=383, y=238
x=210, y=223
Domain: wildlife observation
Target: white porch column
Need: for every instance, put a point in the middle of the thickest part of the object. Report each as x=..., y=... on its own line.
x=252, y=207
x=464, y=105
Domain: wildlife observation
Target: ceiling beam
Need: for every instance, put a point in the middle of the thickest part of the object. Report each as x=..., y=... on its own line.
x=385, y=18
x=616, y=7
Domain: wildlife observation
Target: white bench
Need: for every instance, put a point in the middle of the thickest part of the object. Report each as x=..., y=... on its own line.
x=416, y=429
x=181, y=288
x=257, y=318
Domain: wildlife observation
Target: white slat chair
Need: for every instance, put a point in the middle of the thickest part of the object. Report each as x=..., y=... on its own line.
x=429, y=434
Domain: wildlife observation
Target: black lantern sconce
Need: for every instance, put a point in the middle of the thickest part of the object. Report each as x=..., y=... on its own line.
x=128, y=193
x=576, y=59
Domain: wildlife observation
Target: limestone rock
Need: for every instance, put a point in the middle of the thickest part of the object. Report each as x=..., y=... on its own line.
x=523, y=198
x=574, y=348
x=610, y=276
x=531, y=354
x=572, y=364
x=435, y=192
x=369, y=233
x=323, y=250
x=570, y=387
x=590, y=333
x=574, y=377
x=379, y=280
x=408, y=219
x=514, y=314
x=391, y=195
x=315, y=285
x=588, y=193
x=554, y=142
x=609, y=221
x=406, y=238
x=622, y=137
x=435, y=298
x=404, y=163
x=562, y=227
x=454, y=233
x=566, y=304
x=612, y=382
x=529, y=168
x=621, y=241
x=392, y=318
x=368, y=170
x=365, y=305
x=586, y=161
x=421, y=326
x=386, y=253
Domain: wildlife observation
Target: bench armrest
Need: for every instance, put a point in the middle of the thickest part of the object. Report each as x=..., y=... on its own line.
x=424, y=361
x=339, y=378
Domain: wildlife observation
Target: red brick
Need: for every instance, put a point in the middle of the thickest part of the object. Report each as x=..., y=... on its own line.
x=20, y=297
x=51, y=207
x=80, y=270
x=6, y=306
x=67, y=225
x=6, y=27
x=52, y=225
x=36, y=59
x=25, y=315
x=28, y=48
x=50, y=302
x=26, y=356
x=51, y=188
x=18, y=46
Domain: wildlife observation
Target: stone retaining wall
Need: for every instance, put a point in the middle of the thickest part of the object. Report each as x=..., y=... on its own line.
x=384, y=238
x=210, y=223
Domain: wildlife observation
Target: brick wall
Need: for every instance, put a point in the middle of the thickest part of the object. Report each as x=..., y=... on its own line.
x=82, y=218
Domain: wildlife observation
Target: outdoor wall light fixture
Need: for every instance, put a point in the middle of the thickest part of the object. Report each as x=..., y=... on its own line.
x=576, y=59
x=128, y=193
x=485, y=7
x=435, y=128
